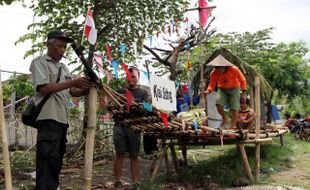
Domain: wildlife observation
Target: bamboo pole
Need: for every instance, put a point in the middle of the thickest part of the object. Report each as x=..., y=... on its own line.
x=164, y=148
x=245, y=161
x=90, y=138
x=5, y=147
x=257, y=124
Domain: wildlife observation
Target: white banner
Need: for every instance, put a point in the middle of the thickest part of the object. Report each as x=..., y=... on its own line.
x=163, y=93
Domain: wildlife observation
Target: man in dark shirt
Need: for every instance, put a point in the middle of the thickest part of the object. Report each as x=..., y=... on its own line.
x=126, y=140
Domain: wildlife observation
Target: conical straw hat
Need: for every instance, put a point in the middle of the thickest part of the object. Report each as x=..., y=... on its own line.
x=220, y=61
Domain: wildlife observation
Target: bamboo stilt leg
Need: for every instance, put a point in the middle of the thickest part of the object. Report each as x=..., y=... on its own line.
x=281, y=140
x=5, y=146
x=257, y=130
x=245, y=161
x=166, y=160
x=174, y=158
x=90, y=139
x=164, y=148
x=257, y=162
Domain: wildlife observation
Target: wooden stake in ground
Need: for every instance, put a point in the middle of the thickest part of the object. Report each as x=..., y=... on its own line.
x=257, y=130
x=90, y=138
x=5, y=147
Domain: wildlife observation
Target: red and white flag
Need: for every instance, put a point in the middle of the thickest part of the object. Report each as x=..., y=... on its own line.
x=89, y=28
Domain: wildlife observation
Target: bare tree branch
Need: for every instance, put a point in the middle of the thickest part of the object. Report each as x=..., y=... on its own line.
x=157, y=56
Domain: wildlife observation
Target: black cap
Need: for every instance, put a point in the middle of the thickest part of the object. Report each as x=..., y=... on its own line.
x=57, y=34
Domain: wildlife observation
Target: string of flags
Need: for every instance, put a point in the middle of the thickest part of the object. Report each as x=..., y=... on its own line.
x=169, y=28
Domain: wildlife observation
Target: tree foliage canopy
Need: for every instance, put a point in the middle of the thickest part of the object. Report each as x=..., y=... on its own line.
x=116, y=21
x=283, y=65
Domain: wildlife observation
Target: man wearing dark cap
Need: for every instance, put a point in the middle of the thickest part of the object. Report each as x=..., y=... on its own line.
x=52, y=77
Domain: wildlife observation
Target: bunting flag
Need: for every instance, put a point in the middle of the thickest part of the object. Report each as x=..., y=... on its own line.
x=178, y=85
x=164, y=117
x=108, y=49
x=195, y=125
x=147, y=106
x=151, y=39
x=157, y=34
x=189, y=65
x=114, y=65
x=146, y=74
x=186, y=20
x=89, y=28
x=203, y=13
x=122, y=48
x=109, y=76
x=125, y=67
x=129, y=99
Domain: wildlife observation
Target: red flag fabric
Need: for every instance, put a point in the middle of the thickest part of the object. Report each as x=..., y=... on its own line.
x=125, y=67
x=129, y=99
x=108, y=49
x=89, y=28
x=164, y=117
x=203, y=13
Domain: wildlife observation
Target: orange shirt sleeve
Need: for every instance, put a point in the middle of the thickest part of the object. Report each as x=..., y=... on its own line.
x=241, y=78
x=213, y=80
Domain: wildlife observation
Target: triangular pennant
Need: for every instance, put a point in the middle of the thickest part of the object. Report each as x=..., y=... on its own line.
x=164, y=117
x=147, y=106
x=125, y=67
x=108, y=49
x=122, y=48
x=129, y=99
x=115, y=65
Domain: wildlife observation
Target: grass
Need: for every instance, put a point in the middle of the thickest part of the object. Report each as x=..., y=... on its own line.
x=225, y=166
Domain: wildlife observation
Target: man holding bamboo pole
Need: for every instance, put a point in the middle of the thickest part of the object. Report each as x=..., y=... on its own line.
x=124, y=138
x=52, y=79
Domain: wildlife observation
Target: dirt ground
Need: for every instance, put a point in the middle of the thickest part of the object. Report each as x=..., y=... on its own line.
x=294, y=176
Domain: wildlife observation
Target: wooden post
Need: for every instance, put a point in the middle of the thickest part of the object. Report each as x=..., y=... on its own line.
x=245, y=161
x=90, y=138
x=164, y=148
x=281, y=140
x=174, y=158
x=5, y=147
x=257, y=125
x=166, y=160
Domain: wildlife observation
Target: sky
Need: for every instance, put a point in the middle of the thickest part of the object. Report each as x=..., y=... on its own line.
x=290, y=18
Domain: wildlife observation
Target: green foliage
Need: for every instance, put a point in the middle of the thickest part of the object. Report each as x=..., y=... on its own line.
x=21, y=84
x=283, y=65
x=7, y=2
x=116, y=21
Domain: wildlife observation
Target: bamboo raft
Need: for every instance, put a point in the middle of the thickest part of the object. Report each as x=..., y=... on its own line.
x=150, y=123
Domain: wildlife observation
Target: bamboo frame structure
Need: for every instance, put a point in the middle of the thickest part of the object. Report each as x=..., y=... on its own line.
x=150, y=123
x=5, y=147
x=257, y=124
x=90, y=139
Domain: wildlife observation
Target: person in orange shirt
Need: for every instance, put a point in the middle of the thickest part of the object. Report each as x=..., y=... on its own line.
x=229, y=80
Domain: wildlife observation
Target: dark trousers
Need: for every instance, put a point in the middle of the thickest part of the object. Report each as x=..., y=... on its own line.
x=51, y=147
